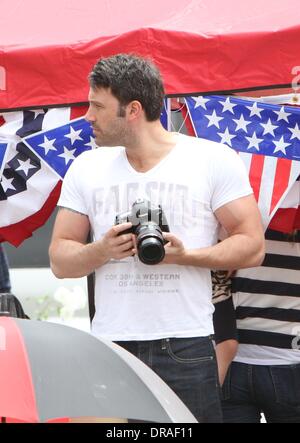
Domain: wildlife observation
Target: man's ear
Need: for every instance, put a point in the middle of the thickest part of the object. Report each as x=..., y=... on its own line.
x=134, y=109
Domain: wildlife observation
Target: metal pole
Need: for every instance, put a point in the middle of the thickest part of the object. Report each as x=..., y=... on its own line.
x=169, y=116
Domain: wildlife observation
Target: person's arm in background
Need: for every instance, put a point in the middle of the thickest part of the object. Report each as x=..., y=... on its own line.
x=224, y=322
x=225, y=353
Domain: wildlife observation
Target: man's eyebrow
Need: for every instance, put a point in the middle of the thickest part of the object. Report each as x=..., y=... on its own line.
x=95, y=102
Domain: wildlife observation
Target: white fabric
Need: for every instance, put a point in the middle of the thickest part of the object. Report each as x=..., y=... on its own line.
x=267, y=355
x=292, y=200
x=141, y=302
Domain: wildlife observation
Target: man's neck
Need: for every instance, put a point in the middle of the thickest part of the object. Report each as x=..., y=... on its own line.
x=150, y=146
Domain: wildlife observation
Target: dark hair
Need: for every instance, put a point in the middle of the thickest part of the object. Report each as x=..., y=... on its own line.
x=130, y=78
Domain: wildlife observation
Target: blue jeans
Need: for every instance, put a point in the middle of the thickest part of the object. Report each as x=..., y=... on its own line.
x=249, y=390
x=188, y=366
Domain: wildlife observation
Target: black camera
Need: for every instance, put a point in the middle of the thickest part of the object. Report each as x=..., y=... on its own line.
x=148, y=222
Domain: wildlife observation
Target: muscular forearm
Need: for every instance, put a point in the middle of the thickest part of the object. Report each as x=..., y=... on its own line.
x=69, y=258
x=235, y=252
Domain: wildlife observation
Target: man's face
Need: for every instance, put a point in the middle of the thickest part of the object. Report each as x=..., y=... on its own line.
x=107, y=118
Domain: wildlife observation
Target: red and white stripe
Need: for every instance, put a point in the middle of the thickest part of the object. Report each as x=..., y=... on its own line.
x=271, y=179
x=287, y=216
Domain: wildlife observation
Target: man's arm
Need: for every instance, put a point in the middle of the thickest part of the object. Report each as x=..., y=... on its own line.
x=70, y=256
x=243, y=248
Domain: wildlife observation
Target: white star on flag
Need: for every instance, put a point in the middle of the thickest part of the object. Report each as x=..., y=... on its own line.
x=280, y=145
x=6, y=183
x=200, y=101
x=67, y=155
x=48, y=145
x=213, y=119
x=282, y=115
x=254, y=110
x=295, y=131
x=268, y=127
x=74, y=135
x=254, y=141
x=25, y=166
x=241, y=123
x=228, y=106
x=226, y=136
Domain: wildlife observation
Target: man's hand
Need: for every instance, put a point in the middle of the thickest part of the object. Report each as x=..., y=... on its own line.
x=117, y=245
x=174, y=249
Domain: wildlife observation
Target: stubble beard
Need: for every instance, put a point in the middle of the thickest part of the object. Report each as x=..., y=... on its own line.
x=119, y=135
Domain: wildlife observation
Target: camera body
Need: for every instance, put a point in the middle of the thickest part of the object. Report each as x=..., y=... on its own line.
x=148, y=222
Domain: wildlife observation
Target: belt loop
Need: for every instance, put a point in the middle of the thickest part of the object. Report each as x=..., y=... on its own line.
x=164, y=342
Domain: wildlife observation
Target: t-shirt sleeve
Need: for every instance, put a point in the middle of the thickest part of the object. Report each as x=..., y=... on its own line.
x=229, y=178
x=72, y=193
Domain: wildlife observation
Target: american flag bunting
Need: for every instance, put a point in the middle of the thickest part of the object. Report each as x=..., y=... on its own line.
x=59, y=147
x=267, y=138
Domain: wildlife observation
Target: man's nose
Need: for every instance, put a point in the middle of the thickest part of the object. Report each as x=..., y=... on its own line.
x=89, y=116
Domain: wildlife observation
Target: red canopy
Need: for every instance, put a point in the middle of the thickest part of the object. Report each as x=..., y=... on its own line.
x=48, y=48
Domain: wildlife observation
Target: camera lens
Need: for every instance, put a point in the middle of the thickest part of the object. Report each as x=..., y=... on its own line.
x=151, y=251
x=150, y=244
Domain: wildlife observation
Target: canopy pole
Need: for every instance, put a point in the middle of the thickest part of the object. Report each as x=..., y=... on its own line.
x=169, y=117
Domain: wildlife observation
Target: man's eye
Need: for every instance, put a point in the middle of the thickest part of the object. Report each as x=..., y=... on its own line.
x=95, y=105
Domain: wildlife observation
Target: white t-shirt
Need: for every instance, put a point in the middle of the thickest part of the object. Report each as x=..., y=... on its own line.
x=135, y=301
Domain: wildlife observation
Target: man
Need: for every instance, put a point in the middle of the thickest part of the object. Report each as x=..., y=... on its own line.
x=162, y=313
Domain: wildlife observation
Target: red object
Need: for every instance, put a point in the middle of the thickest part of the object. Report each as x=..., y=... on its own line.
x=255, y=173
x=287, y=216
x=199, y=45
x=17, y=393
x=286, y=220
